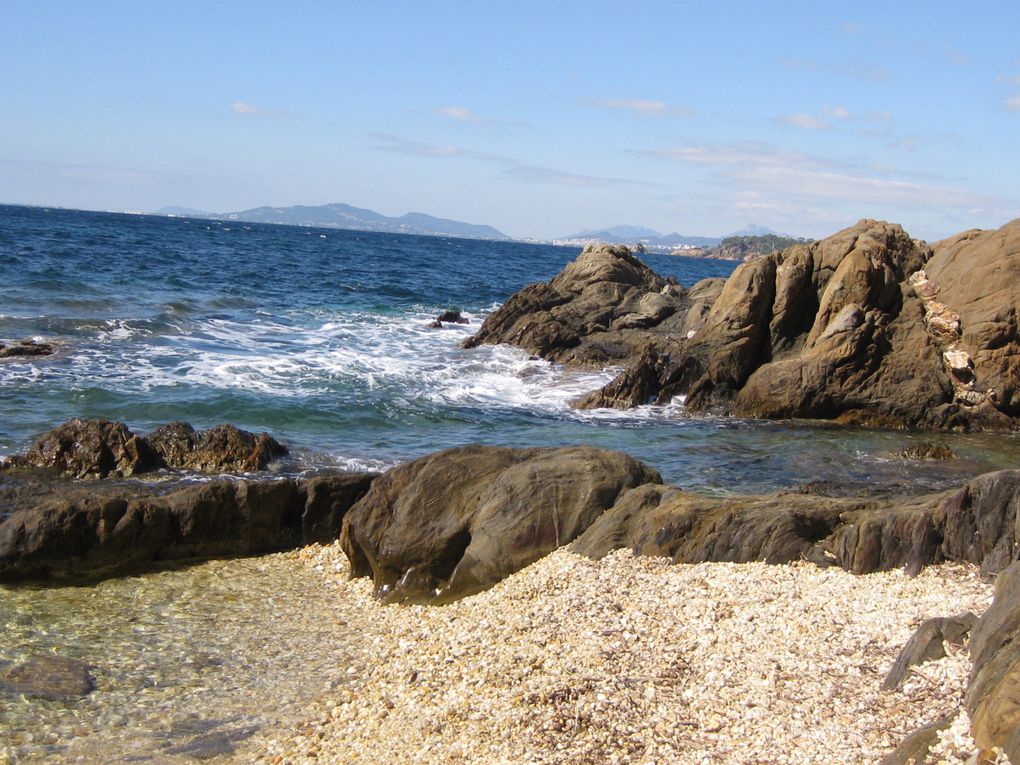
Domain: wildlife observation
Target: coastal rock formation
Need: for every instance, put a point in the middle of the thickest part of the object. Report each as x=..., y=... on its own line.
x=868, y=326
x=993, y=696
x=65, y=530
x=100, y=448
x=458, y=521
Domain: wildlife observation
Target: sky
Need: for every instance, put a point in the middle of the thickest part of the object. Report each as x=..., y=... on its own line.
x=541, y=119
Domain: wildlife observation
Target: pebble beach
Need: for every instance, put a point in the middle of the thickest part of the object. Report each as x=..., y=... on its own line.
x=635, y=660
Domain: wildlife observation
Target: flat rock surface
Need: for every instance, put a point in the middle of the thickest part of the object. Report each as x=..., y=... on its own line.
x=635, y=660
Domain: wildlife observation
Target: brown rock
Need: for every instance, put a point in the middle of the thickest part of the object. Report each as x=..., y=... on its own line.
x=457, y=522
x=993, y=695
x=221, y=449
x=54, y=678
x=23, y=348
x=928, y=450
x=92, y=449
x=928, y=644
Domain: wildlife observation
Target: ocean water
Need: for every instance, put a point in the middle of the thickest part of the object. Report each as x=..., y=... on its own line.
x=320, y=337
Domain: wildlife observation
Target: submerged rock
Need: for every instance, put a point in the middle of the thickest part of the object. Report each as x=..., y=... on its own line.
x=23, y=348
x=458, y=521
x=53, y=678
x=929, y=450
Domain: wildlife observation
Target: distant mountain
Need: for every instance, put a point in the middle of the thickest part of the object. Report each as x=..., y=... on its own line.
x=649, y=237
x=629, y=233
x=345, y=216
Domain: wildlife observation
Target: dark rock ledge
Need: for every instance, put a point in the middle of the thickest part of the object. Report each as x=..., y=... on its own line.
x=866, y=327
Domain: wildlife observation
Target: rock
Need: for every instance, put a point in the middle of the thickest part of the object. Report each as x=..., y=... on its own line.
x=993, y=695
x=100, y=448
x=458, y=521
x=220, y=449
x=54, y=678
x=56, y=529
x=978, y=523
x=597, y=311
x=22, y=348
x=928, y=450
x=92, y=449
x=927, y=644
x=913, y=750
x=637, y=385
x=846, y=328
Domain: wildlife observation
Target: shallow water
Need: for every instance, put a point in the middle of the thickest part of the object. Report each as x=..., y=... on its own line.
x=187, y=663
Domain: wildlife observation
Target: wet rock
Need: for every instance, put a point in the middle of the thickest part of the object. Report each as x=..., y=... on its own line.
x=220, y=449
x=447, y=317
x=100, y=448
x=61, y=530
x=25, y=348
x=91, y=449
x=458, y=521
x=929, y=450
x=993, y=695
x=54, y=678
x=928, y=644
x=637, y=385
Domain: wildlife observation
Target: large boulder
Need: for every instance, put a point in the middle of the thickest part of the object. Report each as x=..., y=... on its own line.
x=868, y=326
x=56, y=529
x=100, y=448
x=453, y=523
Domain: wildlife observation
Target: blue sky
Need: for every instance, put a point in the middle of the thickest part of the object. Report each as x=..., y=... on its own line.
x=536, y=118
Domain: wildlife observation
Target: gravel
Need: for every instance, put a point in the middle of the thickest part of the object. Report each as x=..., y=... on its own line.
x=635, y=660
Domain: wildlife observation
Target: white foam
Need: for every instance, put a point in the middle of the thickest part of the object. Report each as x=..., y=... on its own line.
x=397, y=357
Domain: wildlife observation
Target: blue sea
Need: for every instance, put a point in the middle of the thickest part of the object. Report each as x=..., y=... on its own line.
x=320, y=336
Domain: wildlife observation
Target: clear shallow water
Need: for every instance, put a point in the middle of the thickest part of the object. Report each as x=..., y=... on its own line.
x=320, y=337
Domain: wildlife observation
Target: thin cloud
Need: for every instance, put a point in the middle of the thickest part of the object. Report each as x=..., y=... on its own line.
x=1013, y=103
x=803, y=120
x=249, y=110
x=853, y=71
x=512, y=168
x=461, y=114
x=641, y=107
x=837, y=112
x=770, y=172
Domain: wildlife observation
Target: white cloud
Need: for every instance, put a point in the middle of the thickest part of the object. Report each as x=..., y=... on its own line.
x=837, y=112
x=1013, y=103
x=460, y=113
x=642, y=107
x=803, y=120
x=765, y=173
x=249, y=110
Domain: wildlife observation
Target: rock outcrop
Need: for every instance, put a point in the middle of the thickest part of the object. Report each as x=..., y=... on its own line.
x=25, y=348
x=456, y=522
x=100, y=448
x=993, y=695
x=63, y=530
x=868, y=326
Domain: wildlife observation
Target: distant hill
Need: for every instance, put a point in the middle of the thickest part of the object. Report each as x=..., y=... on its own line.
x=649, y=237
x=345, y=216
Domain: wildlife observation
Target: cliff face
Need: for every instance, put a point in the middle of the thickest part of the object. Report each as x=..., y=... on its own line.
x=868, y=326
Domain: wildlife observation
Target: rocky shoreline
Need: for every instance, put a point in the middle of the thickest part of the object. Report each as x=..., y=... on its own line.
x=578, y=587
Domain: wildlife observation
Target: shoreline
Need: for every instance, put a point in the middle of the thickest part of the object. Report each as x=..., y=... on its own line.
x=633, y=659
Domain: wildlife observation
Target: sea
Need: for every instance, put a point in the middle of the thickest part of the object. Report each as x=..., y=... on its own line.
x=320, y=337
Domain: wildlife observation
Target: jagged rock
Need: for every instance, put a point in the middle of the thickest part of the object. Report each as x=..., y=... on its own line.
x=913, y=750
x=928, y=644
x=597, y=311
x=453, y=523
x=64, y=530
x=993, y=695
x=222, y=448
x=23, y=348
x=845, y=328
x=91, y=449
x=54, y=678
x=101, y=448
x=639, y=384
